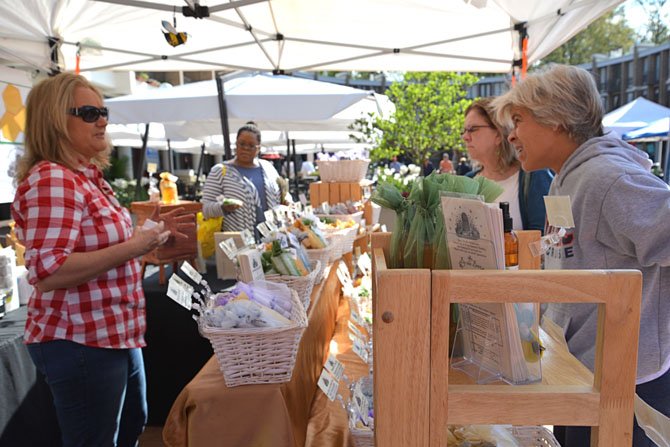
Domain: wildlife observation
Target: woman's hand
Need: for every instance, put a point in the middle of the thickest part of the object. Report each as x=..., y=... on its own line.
x=148, y=237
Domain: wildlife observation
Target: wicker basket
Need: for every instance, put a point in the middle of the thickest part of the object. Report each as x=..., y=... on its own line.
x=342, y=170
x=356, y=217
x=303, y=285
x=258, y=355
x=362, y=437
x=323, y=255
x=534, y=436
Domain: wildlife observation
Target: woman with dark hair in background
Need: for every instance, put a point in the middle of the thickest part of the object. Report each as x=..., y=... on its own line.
x=250, y=181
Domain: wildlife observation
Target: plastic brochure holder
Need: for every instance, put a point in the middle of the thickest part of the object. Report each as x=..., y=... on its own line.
x=498, y=342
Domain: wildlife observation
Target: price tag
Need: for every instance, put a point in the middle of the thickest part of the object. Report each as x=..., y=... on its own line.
x=361, y=403
x=364, y=264
x=263, y=229
x=343, y=274
x=359, y=349
x=328, y=384
x=559, y=211
x=334, y=366
x=180, y=291
x=248, y=238
x=229, y=248
x=191, y=272
x=325, y=208
x=269, y=216
x=302, y=198
x=356, y=317
x=309, y=209
x=271, y=226
x=345, y=281
x=354, y=331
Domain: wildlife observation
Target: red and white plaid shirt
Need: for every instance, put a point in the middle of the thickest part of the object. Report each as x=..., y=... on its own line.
x=59, y=211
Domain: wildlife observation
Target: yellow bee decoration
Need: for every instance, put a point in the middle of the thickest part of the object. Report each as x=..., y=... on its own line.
x=173, y=36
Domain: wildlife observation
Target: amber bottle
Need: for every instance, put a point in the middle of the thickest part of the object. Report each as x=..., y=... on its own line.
x=511, y=241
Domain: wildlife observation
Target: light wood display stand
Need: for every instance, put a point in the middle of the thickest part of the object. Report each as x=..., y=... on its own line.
x=415, y=394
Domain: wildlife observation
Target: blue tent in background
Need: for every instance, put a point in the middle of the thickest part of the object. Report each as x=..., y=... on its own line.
x=636, y=114
x=658, y=129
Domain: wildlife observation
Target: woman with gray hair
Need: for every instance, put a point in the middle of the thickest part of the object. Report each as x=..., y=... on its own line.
x=619, y=209
x=487, y=144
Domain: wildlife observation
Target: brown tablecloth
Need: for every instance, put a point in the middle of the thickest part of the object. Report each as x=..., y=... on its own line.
x=207, y=413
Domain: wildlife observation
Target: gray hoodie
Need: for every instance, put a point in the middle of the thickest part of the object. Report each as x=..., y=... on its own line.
x=622, y=221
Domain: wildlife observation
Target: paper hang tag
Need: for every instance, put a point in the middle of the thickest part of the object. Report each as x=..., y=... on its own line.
x=297, y=206
x=344, y=280
x=328, y=384
x=248, y=238
x=359, y=349
x=354, y=329
x=559, y=211
x=302, y=198
x=229, y=248
x=269, y=216
x=357, y=318
x=325, y=207
x=334, y=366
x=364, y=263
x=384, y=229
x=263, y=229
x=180, y=291
x=309, y=209
x=360, y=402
x=271, y=226
x=191, y=272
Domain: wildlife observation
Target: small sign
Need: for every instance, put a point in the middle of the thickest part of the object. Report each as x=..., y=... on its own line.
x=191, y=272
x=365, y=264
x=263, y=229
x=248, y=238
x=229, y=248
x=359, y=349
x=334, y=366
x=302, y=198
x=384, y=229
x=559, y=211
x=328, y=384
x=269, y=216
x=355, y=331
x=251, y=268
x=180, y=291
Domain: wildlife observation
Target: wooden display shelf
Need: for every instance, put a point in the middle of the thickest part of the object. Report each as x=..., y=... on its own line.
x=334, y=193
x=174, y=250
x=415, y=398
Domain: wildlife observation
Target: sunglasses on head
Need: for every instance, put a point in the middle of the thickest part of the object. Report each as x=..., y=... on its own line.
x=90, y=114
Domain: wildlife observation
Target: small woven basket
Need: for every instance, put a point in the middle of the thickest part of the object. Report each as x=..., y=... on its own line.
x=344, y=239
x=356, y=217
x=258, y=355
x=362, y=437
x=321, y=255
x=303, y=285
x=342, y=170
x=534, y=436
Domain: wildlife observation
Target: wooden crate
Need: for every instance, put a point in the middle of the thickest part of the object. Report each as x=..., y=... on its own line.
x=333, y=193
x=415, y=398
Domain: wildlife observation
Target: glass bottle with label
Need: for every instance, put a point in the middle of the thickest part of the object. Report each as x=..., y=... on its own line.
x=511, y=241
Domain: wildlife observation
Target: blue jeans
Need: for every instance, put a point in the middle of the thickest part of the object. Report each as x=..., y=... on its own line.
x=655, y=393
x=99, y=394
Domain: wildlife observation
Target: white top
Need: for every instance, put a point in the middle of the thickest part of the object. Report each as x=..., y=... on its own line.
x=510, y=194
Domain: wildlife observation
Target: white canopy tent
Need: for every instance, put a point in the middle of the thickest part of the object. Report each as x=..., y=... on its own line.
x=289, y=35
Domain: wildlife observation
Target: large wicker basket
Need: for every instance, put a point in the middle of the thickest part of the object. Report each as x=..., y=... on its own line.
x=303, y=285
x=258, y=355
x=342, y=170
x=323, y=256
x=343, y=238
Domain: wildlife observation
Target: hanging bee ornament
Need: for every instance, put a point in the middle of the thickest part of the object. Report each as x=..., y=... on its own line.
x=172, y=36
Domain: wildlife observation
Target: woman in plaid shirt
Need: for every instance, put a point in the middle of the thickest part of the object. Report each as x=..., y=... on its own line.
x=86, y=316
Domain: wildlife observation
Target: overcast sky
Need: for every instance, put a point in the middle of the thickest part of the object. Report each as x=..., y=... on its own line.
x=636, y=17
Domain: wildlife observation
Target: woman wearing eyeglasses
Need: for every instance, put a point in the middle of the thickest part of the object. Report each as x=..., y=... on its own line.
x=86, y=315
x=497, y=160
x=250, y=181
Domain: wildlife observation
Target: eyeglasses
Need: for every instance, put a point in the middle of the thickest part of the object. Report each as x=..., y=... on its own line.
x=472, y=129
x=90, y=114
x=247, y=146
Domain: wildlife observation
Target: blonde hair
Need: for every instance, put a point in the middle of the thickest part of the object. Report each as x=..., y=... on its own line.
x=505, y=152
x=46, y=134
x=559, y=96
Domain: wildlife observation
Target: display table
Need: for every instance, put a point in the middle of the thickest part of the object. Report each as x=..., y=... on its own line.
x=207, y=413
x=25, y=399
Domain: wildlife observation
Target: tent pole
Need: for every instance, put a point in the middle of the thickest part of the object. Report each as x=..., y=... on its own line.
x=140, y=163
x=223, y=112
x=170, y=155
x=200, y=166
x=295, y=167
